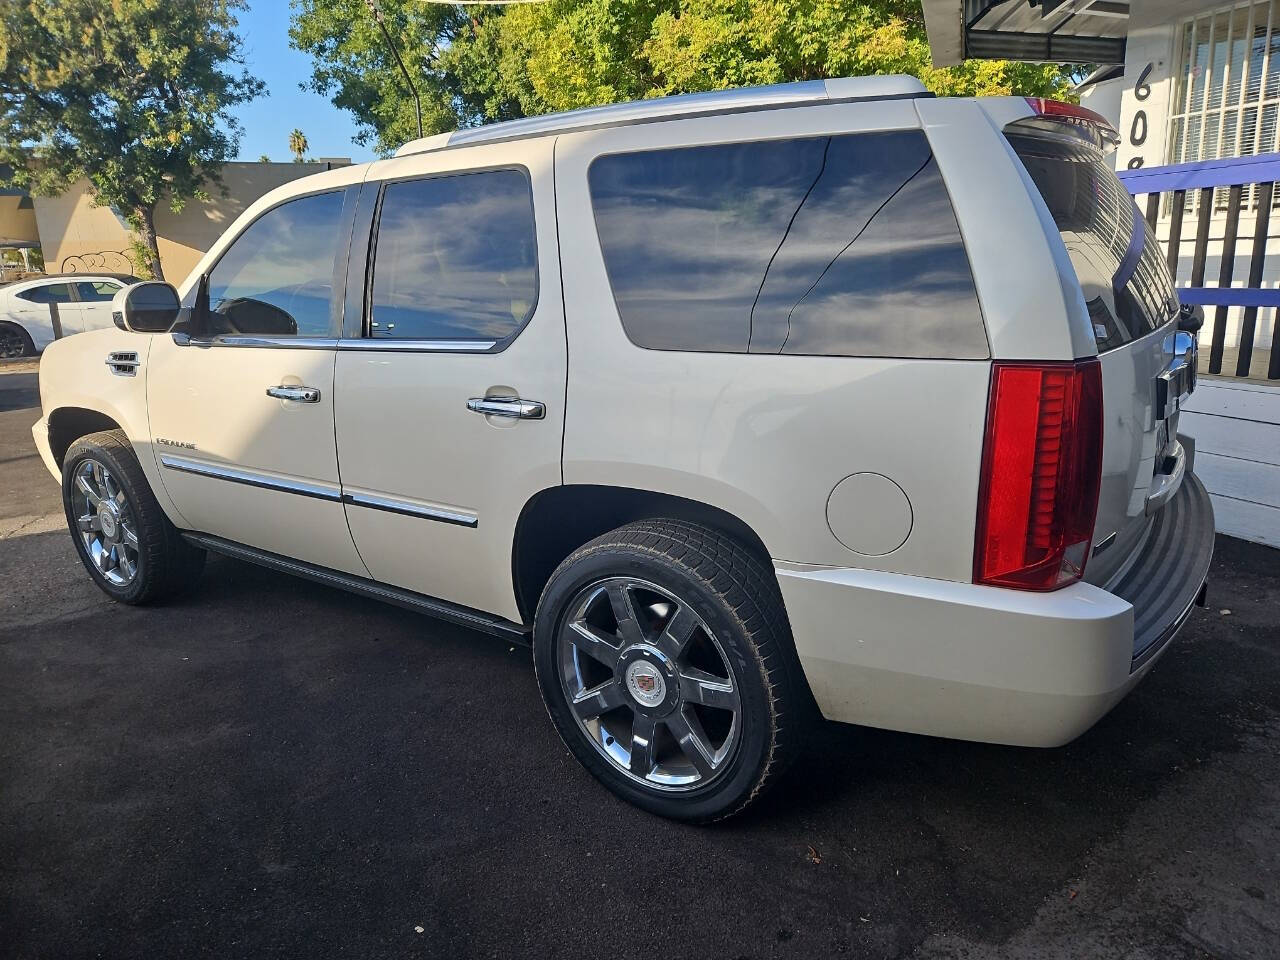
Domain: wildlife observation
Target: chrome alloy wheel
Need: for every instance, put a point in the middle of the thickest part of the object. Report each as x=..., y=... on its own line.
x=105, y=522
x=649, y=684
x=11, y=343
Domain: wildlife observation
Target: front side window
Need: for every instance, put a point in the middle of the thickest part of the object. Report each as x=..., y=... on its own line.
x=48, y=293
x=455, y=258
x=96, y=291
x=276, y=278
x=834, y=246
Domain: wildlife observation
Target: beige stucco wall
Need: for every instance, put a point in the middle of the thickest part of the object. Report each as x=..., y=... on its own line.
x=17, y=220
x=76, y=235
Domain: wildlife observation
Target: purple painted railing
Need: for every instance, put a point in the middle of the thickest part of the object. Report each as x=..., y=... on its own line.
x=1235, y=173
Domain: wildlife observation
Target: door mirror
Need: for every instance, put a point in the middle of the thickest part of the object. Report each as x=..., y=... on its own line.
x=150, y=307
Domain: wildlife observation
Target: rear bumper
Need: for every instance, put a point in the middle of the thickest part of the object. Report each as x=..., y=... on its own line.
x=985, y=663
x=1166, y=577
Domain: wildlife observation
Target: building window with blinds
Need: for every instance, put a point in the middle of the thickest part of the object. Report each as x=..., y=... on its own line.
x=1227, y=91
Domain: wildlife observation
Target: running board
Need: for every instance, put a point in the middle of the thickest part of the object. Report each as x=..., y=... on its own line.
x=432, y=607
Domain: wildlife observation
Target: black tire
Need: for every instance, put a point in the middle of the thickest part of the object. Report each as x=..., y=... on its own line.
x=15, y=342
x=735, y=594
x=166, y=564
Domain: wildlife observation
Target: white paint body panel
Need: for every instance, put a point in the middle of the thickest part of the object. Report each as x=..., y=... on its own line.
x=404, y=430
x=764, y=437
x=215, y=399
x=74, y=373
x=893, y=635
x=959, y=660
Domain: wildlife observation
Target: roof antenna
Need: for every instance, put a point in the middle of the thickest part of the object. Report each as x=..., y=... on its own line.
x=417, y=100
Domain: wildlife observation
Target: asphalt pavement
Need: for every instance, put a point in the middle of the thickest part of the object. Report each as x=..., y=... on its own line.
x=270, y=768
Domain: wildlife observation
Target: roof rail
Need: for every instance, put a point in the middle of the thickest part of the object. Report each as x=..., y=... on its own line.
x=843, y=89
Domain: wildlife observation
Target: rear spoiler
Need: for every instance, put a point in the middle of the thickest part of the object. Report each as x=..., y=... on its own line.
x=1093, y=125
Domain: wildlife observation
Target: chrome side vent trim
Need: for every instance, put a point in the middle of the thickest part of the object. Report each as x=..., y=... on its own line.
x=124, y=363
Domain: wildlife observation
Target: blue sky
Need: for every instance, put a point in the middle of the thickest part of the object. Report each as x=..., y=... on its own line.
x=267, y=121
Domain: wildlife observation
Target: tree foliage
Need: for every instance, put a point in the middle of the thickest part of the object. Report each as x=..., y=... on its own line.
x=478, y=64
x=298, y=145
x=353, y=67
x=131, y=94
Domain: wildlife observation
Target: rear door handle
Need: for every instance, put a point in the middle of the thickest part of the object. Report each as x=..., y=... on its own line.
x=290, y=392
x=512, y=407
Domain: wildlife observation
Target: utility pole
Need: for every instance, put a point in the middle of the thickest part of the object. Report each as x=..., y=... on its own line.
x=417, y=100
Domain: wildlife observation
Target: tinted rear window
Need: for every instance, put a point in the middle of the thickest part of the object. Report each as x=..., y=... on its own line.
x=837, y=246
x=1117, y=258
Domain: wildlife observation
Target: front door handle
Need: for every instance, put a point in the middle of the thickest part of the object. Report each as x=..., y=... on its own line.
x=512, y=407
x=290, y=392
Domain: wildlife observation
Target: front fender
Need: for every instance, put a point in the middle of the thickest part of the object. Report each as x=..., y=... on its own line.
x=75, y=374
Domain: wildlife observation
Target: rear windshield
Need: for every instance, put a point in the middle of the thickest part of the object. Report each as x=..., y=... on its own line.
x=1117, y=258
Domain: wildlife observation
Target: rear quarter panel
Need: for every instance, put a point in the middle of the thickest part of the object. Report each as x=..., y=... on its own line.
x=766, y=438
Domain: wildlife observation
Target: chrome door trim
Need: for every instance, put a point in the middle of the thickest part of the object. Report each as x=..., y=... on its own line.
x=513, y=407
x=319, y=491
x=417, y=346
x=251, y=478
x=296, y=392
x=463, y=518
x=240, y=340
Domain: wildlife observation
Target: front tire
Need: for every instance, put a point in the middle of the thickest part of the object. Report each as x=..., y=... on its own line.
x=131, y=550
x=665, y=661
x=15, y=342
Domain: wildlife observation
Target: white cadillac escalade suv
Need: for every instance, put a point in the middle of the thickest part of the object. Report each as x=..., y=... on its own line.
x=831, y=398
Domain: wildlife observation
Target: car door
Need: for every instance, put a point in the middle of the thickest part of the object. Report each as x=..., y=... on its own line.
x=93, y=302
x=241, y=407
x=47, y=311
x=450, y=394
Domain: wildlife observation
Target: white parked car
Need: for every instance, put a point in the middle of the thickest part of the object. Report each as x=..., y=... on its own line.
x=828, y=398
x=35, y=312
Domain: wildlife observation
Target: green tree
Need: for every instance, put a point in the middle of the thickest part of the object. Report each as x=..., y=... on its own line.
x=478, y=64
x=298, y=146
x=263, y=158
x=131, y=94
x=353, y=67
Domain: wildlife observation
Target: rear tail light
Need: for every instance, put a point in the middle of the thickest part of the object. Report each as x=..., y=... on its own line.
x=1041, y=467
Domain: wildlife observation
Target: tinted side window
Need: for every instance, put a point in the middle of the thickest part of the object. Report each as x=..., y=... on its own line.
x=455, y=258
x=839, y=246
x=96, y=291
x=49, y=293
x=276, y=278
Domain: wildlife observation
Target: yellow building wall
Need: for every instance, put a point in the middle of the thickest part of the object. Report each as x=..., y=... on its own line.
x=77, y=237
x=17, y=220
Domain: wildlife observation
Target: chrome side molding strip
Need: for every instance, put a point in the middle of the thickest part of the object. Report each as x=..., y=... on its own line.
x=358, y=344
x=318, y=490
x=417, y=346
x=409, y=509
x=251, y=478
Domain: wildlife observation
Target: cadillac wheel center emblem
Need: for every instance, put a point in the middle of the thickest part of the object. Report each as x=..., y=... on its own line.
x=645, y=684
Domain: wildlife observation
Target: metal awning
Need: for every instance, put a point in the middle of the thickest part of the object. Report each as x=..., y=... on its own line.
x=1040, y=31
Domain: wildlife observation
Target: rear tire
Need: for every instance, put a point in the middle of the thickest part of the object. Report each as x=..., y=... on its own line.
x=15, y=342
x=665, y=660
x=131, y=550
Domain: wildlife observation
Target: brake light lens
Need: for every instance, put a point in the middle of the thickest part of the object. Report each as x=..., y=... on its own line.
x=1041, y=470
x=1074, y=113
